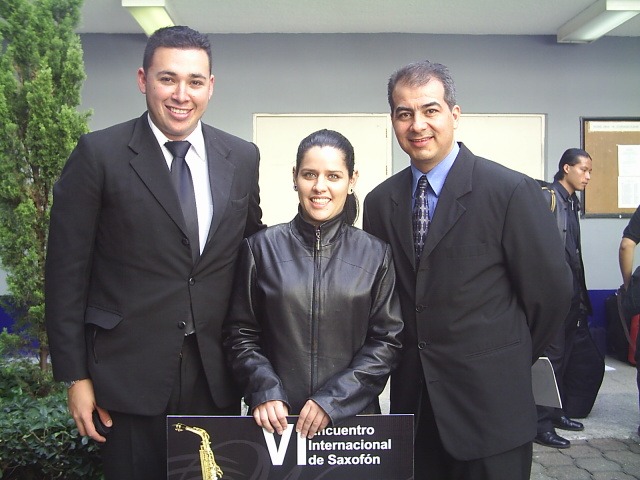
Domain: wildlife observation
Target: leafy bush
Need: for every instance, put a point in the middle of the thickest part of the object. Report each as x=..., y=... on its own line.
x=38, y=437
x=18, y=375
x=41, y=76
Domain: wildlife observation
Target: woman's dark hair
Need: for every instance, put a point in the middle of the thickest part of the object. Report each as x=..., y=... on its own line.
x=331, y=138
x=570, y=157
x=178, y=36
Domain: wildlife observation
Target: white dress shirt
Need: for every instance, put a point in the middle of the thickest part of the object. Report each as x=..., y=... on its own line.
x=197, y=161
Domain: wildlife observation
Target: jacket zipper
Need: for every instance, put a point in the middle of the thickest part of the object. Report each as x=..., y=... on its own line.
x=314, y=312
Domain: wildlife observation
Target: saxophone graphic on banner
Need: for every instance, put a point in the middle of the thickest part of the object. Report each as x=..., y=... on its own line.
x=210, y=469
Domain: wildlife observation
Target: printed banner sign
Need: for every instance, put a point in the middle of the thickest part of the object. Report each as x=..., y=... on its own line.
x=375, y=447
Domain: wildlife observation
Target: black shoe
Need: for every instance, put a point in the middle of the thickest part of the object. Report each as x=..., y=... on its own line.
x=565, y=423
x=552, y=439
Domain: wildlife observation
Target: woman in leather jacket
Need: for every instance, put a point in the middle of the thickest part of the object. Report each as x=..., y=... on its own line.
x=314, y=324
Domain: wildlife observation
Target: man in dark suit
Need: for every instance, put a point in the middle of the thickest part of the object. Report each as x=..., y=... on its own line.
x=139, y=270
x=482, y=291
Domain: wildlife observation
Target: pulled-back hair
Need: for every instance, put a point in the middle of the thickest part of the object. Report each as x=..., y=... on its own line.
x=418, y=74
x=179, y=36
x=570, y=157
x=331, y=138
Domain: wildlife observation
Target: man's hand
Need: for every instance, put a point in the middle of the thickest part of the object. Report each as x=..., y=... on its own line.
x=272, y=415
x=82, y=403
x=312, y=419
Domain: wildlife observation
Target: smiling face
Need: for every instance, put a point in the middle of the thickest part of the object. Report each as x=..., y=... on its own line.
x=178, y=87
x=576, y=177
x=423, y=122
x=323, y=184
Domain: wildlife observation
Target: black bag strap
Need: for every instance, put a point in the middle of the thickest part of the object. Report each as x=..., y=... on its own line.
x=619, y=293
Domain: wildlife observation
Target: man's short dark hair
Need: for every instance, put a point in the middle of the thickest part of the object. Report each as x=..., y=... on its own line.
x=420, y=73
x=175, y=37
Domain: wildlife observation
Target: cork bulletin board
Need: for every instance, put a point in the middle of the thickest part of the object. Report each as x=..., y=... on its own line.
x=614, y=146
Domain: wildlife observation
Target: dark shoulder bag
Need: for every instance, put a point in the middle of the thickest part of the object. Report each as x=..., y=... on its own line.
x=583, y=376
x=631, y=298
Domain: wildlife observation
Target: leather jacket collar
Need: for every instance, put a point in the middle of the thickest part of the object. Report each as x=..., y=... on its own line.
x=330, y=230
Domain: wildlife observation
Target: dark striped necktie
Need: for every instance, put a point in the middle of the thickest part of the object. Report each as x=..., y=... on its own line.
x=420, y=216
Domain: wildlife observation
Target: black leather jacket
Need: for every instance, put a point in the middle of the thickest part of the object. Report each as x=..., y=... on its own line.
x=314, y=316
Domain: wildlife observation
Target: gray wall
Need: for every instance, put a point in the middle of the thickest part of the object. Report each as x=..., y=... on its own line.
x=347, y=73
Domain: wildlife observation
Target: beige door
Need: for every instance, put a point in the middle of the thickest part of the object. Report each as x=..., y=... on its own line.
x=513, y=140
x=278, y=137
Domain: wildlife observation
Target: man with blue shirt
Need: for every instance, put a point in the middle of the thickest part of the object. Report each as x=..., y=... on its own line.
x=482, y=283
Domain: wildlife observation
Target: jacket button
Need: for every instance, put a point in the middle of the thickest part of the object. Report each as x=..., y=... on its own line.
x=422, y=345
x=192, y=282
x=185, y=241
x=419, y=308
x=182, y=325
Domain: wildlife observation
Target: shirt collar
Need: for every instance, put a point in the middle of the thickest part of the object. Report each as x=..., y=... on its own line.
x=559, y=188
x=564, y=194
x=438, y=174
x=196, y=138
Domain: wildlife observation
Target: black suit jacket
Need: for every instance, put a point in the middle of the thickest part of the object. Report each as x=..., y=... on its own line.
x=119, y=272
x=490, y=291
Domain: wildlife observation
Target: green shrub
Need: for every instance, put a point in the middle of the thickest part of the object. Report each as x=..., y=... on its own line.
x=18, y=372
x=38, y=437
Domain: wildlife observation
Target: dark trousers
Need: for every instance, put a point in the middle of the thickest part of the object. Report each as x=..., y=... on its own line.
x=136, y=447
x=432, y=461
x=559, y=353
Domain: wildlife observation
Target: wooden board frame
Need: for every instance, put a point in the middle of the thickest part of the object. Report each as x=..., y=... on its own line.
x=600, y=198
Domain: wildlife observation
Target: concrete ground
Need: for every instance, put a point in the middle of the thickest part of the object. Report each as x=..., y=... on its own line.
x=609, y=446
x=615, y=413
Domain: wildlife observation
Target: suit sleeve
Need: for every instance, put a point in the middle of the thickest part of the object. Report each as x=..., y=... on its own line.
x=242, y=338
x=254, y=215
x=74, y=218
x=367, y=223
x=536, y=264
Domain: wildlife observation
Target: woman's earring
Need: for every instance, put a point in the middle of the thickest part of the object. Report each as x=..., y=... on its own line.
x=295, y=187
x=350, y=191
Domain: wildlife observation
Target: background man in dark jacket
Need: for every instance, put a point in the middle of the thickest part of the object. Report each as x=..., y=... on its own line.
x=630, y=239
x=574, y=172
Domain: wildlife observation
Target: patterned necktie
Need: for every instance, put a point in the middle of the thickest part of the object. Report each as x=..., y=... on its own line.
x=420, y=216
x=183, y=183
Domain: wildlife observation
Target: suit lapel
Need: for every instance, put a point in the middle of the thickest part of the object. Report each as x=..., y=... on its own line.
x=151, y=167
x=221, y=172
x=449, y=209
x=401, y=214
